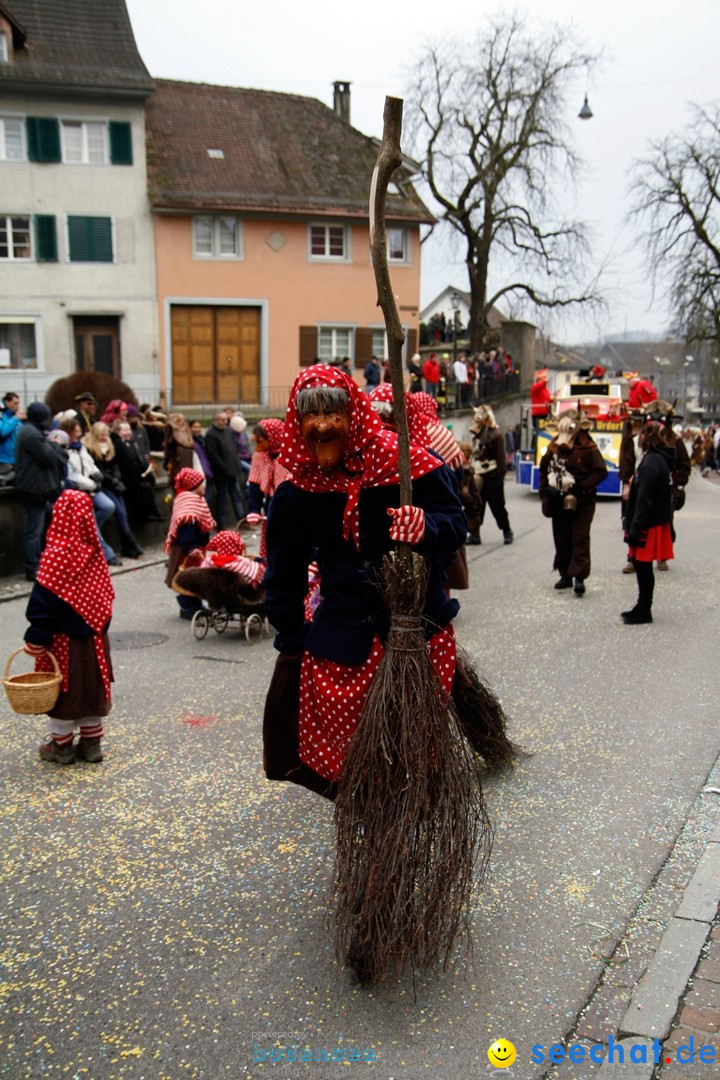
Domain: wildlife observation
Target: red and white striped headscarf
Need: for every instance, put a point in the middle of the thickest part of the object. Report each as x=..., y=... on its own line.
x=188, y=506
x=371, y=458
x=73, y=567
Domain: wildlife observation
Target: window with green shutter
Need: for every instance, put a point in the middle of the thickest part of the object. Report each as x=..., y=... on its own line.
x=120, y=143
x=45, y=238
x=43, y=138
x=90, y=239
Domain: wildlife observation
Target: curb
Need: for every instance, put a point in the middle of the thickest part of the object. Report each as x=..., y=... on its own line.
x=17, y=588
x=661, y=985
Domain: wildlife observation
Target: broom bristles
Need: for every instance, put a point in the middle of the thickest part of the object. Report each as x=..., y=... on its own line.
x=482, y=718
x=410, y=819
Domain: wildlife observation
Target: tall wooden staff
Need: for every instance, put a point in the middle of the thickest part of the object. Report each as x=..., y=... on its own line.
x=410, y=820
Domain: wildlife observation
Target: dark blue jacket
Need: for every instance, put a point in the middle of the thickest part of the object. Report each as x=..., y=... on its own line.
x=48, y=615
x=305, y=525
x=38, y=466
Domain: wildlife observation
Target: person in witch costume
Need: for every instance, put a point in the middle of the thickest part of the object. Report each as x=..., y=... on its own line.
x=340, y=508
x=69, y=612
x=570, y=470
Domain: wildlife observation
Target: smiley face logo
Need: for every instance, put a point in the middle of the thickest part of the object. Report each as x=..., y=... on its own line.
x=501, y=1054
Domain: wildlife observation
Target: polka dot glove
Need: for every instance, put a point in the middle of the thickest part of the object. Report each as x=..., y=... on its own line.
x=408, y=524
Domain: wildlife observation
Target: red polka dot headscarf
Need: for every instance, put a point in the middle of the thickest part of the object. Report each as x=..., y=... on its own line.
x=72, y=565
x=371, y=458
x=227, y=542
x=383, y=392
x=426, y=404
x=274, y=429
x=417, y=420
x=188, y=479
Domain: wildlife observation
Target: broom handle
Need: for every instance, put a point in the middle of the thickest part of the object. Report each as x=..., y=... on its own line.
x=388, y=160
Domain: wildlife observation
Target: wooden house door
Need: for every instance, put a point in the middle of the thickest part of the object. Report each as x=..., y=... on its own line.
x=97, y=344
x=215, y=354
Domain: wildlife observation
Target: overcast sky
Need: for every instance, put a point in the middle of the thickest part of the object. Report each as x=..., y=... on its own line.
x=657, y=58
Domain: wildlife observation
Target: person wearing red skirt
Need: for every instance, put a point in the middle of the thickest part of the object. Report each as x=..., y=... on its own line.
x=648, y=521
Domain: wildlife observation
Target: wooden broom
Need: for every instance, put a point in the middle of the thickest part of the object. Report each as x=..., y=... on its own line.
x=410, y=820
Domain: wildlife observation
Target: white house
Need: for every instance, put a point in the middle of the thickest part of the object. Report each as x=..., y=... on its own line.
x=77, y=268
x=452, y=299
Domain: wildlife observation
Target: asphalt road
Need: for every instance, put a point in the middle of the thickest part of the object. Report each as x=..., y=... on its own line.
x=162, y=914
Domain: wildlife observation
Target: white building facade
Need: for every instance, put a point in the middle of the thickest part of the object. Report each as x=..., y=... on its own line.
x=77, y=267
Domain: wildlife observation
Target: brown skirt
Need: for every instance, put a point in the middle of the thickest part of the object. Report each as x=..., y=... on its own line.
x=85, y=695
x=281, y=738
x=457, y=573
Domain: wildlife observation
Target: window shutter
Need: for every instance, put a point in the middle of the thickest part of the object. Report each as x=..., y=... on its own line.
x=43, y=138
x=90, y=239
x=411, y=343
x=308, y=345
x=45, y=238
x=363, y=346
x=120, y=143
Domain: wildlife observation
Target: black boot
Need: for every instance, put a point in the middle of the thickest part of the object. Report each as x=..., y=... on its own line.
x=473, y=538
x=637, y=616
x=565, y=582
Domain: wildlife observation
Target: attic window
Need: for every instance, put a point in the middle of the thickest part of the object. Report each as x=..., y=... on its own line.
x=3, y=48
x=216, y=153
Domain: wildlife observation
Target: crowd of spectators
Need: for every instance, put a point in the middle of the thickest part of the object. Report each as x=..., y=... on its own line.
x=469, y=374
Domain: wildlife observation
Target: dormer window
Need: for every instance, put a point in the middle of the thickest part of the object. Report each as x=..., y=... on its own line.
x=4, y=54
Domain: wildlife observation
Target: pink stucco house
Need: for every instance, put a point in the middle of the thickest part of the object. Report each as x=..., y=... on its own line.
x=260, y=207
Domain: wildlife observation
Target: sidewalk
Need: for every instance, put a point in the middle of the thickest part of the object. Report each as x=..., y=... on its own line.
x=662, y=980
x=15, y=586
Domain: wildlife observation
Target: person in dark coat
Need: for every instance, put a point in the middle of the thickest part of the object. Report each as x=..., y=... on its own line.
x=627, y=463
x=489, y=465
x=220, y=447
x=137, y=475
x=86, y=410
x=39, y=469
x=664, y=413
x=372, y=373
x=649, y=516
x=69, y=612
x=571, y=469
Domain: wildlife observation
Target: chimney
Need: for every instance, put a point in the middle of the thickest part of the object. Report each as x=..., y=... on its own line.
x=341, y=100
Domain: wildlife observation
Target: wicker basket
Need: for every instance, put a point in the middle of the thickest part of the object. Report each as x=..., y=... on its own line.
x=35, y=691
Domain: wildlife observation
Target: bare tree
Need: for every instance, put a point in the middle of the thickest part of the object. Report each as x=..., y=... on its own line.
x=486, y=120
x=676, y=203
